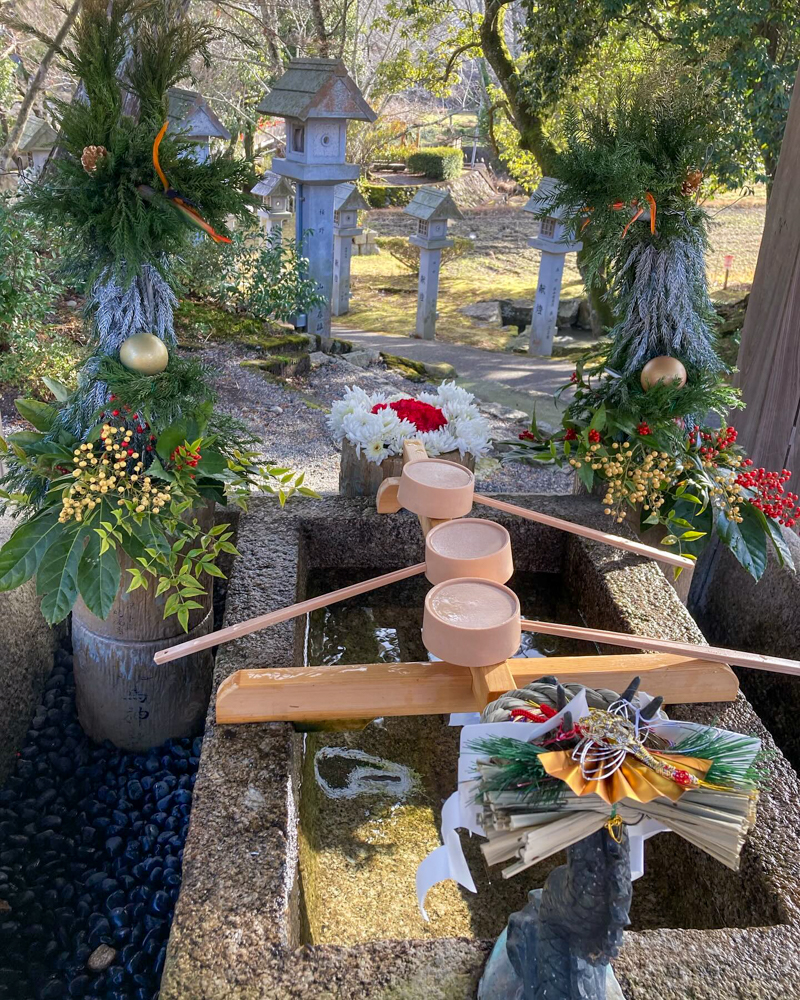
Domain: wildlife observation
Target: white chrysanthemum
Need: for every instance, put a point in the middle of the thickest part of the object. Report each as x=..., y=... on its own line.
x=403, y=430
x=381, y=434
x=375, y=452
x=454, y=395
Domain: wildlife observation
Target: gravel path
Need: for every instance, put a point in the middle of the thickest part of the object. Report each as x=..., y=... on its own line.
x=291, y=419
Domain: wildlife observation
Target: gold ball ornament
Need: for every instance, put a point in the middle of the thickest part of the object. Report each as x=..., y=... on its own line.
x=663, y=369
x=144, y=353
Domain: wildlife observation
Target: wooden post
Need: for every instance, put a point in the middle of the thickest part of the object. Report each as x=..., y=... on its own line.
x=769, y=356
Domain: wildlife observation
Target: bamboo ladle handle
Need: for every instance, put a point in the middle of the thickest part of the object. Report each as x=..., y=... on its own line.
x=756, y=661
x=639, y=548
x=285, y=614
x=386, y=503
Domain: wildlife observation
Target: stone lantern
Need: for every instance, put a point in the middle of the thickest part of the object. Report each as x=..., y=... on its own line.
x=347, y=203
x=317, y=98
x=275, y=193
x=554, y=243
x=431, y=208
x=190, y=114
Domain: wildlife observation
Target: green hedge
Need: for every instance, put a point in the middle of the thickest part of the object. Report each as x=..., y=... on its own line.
x=440, y=163
x=388, y=195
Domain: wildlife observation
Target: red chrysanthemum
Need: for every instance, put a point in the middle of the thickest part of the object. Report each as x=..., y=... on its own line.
x=422, y=415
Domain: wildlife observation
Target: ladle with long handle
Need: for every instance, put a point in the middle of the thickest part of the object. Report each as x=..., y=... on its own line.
x=736, y=657
x=639, y=548
x=285, y=614
x=388, y=502
x=463, y=547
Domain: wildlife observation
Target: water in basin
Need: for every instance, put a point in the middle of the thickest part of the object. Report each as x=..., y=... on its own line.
x=371, y=799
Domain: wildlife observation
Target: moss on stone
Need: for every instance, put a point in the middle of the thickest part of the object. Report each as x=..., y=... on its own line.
x=279, y=364
x=199, y=322
x=414, y=371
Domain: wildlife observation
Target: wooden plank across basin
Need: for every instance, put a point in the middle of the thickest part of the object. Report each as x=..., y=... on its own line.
x=365, y=691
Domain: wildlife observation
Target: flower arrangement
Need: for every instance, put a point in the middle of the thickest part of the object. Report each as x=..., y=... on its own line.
x=691, y=479
x=639, y=425
x=376, y=425
x=129, y=487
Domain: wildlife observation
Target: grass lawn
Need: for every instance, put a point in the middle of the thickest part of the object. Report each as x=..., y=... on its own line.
x=384, y=298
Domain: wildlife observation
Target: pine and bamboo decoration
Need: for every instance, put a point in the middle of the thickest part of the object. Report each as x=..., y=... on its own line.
x=630, y=175
x=104, y=188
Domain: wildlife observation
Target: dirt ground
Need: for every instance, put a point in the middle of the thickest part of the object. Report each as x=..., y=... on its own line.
x=503, y=266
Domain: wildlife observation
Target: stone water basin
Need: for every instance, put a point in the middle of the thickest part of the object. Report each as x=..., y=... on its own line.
x=298, y=868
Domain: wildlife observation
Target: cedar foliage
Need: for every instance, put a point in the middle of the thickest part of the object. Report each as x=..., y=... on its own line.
x=127, y=54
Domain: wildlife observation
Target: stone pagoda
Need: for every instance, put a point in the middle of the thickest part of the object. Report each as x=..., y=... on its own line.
x=316, y=98
x=431, y=207
x=347, y=203
x=554, y=243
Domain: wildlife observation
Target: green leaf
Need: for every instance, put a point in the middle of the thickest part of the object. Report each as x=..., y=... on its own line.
x=213, y=463
x=213, y=570
x=183, y=618
x=586, y=475
x=598, y=421
x=98, y=576
x=22, y=553
x=40, y=414
x=24, y=439
x=775, y=534
x=170, y=438
x=747, y=541
x=57, y=579
x=58, y=389
x=692, y=536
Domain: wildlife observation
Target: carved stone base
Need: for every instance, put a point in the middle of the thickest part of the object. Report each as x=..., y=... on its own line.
x=500, y=981
x=560, y=944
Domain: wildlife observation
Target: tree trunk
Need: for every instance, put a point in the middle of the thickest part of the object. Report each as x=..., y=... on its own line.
x=527, y=121
x=10, y=146
x=318, y=19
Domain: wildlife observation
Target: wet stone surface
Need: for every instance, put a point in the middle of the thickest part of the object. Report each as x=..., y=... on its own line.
x=91, y=847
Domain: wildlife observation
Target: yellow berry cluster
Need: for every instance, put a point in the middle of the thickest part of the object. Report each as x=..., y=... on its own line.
x=101, y=472
x=632, y=475
x=726, y=493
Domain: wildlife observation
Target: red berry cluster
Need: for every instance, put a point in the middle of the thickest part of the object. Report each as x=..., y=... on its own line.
x=571, y=435
x=771, y=498
x=527, y=436
x=183, y=457
x=422, y=415
x=573, y=377
x=594, y=436
x=643, y=429
x=720, y=441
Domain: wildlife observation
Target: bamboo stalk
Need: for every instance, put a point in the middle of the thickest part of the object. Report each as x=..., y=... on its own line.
x=639, y=548
x=756, y=661
x=285, y=614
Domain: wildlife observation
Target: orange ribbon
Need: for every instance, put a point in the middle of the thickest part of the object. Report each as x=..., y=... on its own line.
x=632, y=780
x=189, y=211
x=618, y=205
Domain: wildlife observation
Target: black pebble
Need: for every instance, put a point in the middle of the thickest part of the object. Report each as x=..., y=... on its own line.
x=91, y=842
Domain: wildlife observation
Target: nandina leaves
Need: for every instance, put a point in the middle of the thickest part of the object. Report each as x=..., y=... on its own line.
x=422, y=415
